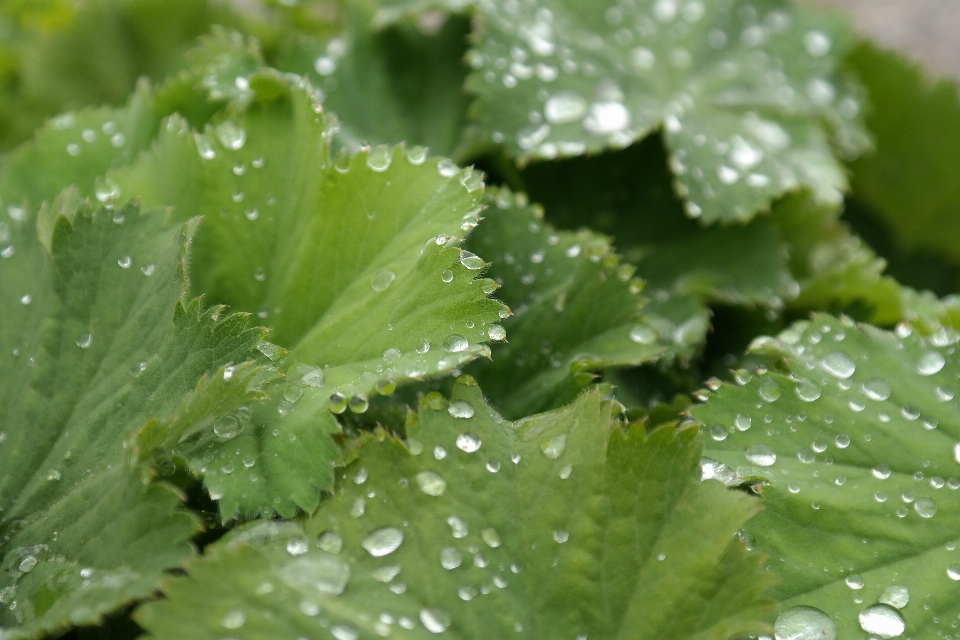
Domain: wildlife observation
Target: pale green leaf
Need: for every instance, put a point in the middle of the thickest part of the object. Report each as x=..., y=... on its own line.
x=746, y=96
x=858, y=446
x=576, y=309
x=345, y=261
x=551, y=527
x=95, y=344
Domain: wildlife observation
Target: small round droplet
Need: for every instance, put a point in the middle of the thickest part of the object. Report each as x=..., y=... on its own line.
x=455, y=343
x=460, y=409
x=881, y=471
x=468, y=442
x=435, y=620
x=431, y=483
x=338, y=403
x=718, y=432
x=233, y=619
x=804, y=623
x=297, y=546
x=896, y=595
x=854, y=581
x=379, y=158
x=925, y=507
x=769, y=390
x=226, y=427
x=85, y=340
x=839, y=365
x=930, y=363
x=471, y=261
x=383, y=541
x=882, y=620
x=382, y=280
x=446, y=275
x=876, y=389
x=450, y=558
x=761, y=455
x=808, y=390
x=554, y=447
x=643, y=334
x=742, y=422
x=359, y=403
x=497, y=333
x=953, y=572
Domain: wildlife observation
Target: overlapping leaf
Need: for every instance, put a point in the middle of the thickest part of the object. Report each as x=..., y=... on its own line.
x=858, y=442
x=550, y=527
x=346, y=262
x=576, y=309
x=747, y=96
x=95, y=343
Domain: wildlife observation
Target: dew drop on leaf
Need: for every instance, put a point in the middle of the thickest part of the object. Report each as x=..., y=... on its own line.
x=85, y=340
x=383, y=541
x=497, y=333
x=460, y=409
x=435, y=620
x=761, y=455
x=718, y=432
x=882, y=620
x=555, y=446
x=468, y=442
x=930, y=363
x=431, y=483
x=953, y=572
x=769, y=390
x=925, y=507
x=386, y=574
x=895, y=595
x=876, y=389
x=382, y=280
x=455, y=343
x=450, y=558
x=233, y=619
x=458, y=527
x=297, y=546
x=839, y=365
x=642, y=334
x=854, y=581
x=226, y=427
x=807, y=390
x=804, y=623
x=343, y=632
x=490, y=537
x=565, y=106
x=742, y=422
x=379, y=158
x=471, y=261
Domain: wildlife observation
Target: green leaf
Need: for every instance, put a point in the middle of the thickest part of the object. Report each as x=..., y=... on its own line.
x=746, y=97
x=856, y=442
x=582, y=531
x=345, y=261
x=909, y=182
x=400, y=84
x=95, y=343
x=576, y=309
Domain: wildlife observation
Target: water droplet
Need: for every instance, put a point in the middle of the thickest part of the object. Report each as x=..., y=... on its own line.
x=854, y=581
x=230, y=135
x=359, y=403
x=643, y=334
x=391, y=355
x=497, y=333
x=876, y=389
x=455, y=343
x=953, y=572
x=308, y=608
x=881, y=471
x=416, y=155
x=560, y=536
x=930, y=363
x=379, y=158
x=882, y=620
x=490, y=537
x=148, y=269
x=385, y=574
x=450, y=558
x=460, y=409
x=471, y=261
x=383, y=541
x=925, y=507
x=386, y=386
x=446, y=275
x=565, y=106
x=554, y=447
x=761, y=455
x=226, y=427
x=233, y=619
x=125, y=262
x=435, y=620
x=816, y=43
x=642, y=58
x=292, y=393
x=742, y=422
x=804, y=623
x=718, y=432
x=606, y=117
x=839, y=364
x=27, y=564
x=842, y=441
x=338, y=403
x=439, y=452
x=297, y=546
x=85, y=340
x=431, y=483
x=382, y=280
x=343, y=632
x=769, y=390
x=447, y=168
x=896, y=596
x=808, y=390
x=330, y=542
x=468, y=442
x=458, y=527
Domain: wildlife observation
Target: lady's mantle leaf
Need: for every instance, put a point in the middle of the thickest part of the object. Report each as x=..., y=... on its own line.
x=859, y=446
x=577, y=309
x=353, y=264
x=745, y=94
x=550, y=527
x=94, y=344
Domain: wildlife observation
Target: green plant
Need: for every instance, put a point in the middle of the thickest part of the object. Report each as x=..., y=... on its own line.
x=272, y=368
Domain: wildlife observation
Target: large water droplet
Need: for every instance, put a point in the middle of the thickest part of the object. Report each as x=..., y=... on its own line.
x=435, y=620
x=460, y=409
x=882, y=620
x=606, y=117
x=953, y=572
x=458, y=527
x=643, y=334
x=804, y=623
x=930, y=363
x=769, y=390
x=468, y=442
x=321, y=573
x=230, y=135
x=379, y=158
x=382, y=280
x=761, y=455
x=383, y=541
x=925, y=507
x=881, y=471
x=896, y=595
x=455, y=343
x=808, y=390
x=876, y=389
x=431, y=483
x=839, y=364
x=555, y=446
x=226, y=427
x=450, y=558
x=854, y=581
x=565, y=106
x=742, y=422
x=471, y=261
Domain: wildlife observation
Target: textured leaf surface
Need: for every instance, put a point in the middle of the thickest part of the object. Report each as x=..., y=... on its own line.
x=345, y=261
x=576, y=309
x=95, y=343
x=400, y=84
x=550, y=527
x=858, y=444
x=742, y=92
x=909, y=183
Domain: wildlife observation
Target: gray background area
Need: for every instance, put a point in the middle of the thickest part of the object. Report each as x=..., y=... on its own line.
x=928, y=30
